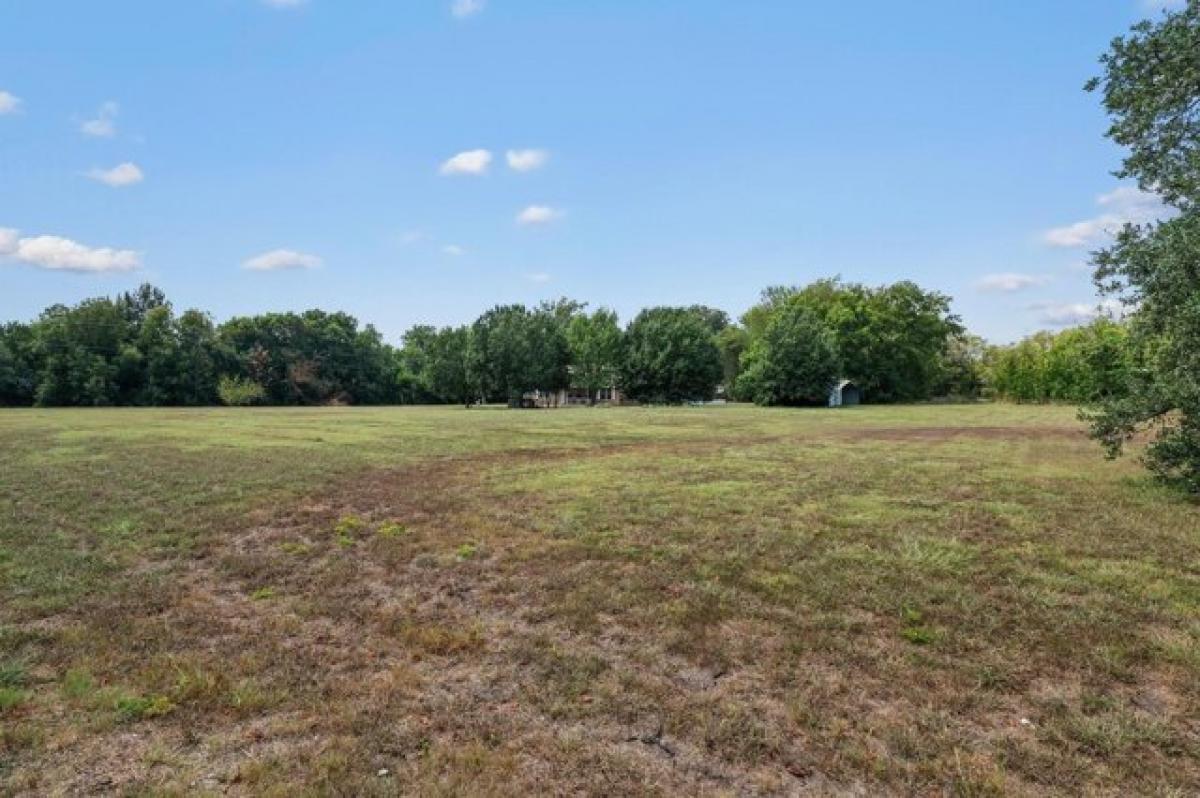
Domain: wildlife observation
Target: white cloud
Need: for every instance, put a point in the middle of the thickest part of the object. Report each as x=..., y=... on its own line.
x=281, y=259
x=1119, y=207
x=1009, y=282
x=9, y=103
x=62, y=254
x=1065, y=314
x=538, y=277
x=1068, y=314
x=454, y=250
x=125, y=174
x=410, y=237
x=526, y=160
x=104, y=125
x=471, y=162
x=538, y=214
x=1131, y=199
x=467, y=8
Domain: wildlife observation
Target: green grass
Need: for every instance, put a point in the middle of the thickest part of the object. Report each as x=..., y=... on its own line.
x=960, y=599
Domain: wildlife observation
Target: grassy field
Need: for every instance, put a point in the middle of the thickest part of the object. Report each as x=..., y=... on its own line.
x=934, y=600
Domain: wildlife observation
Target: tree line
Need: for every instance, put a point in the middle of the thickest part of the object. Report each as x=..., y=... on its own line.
x=898, y=343
x=134, y=349
x=1083, y=365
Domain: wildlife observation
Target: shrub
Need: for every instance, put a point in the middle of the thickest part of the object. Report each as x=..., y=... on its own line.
x=914, y=630
x=239, y=391
x=392, y=529
x=130, y=708
x=348, y=528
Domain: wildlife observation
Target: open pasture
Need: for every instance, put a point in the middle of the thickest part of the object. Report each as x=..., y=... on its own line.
x=937, y=600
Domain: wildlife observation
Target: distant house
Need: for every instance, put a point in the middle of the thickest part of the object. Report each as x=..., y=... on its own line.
x=579, y=396
x=571, y=397
x=844, y=394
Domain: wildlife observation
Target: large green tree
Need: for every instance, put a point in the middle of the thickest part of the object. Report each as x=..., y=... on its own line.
x=1151, y=90
x=448, y=373
x=414, y=365
x=313, y=357
x=962, y=367
x=892, y=339
x=595, y=343
x=18, y=365
x=84, y=355
x=434, y=366
x=794, y=362
x=500, y=354
x=670, y=356
x=550, y=366
x=157, y=344
x=515, y=351
x=202, y=358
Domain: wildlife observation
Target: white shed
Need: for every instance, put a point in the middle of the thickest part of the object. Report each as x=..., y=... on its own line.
x=844, y=394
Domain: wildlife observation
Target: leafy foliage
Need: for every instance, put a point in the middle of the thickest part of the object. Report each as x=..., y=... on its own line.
x=595, y=344
x=794, y=362
x=313, y=358
x=714, y=319
x=18, y=382
x=434, y=366
x=1082, y=365
x=670, y=356
x=891, y=339
x=1151, y=90
x=514, y=351
x=415, y=363
x=134, y=350
x=962, y=367
x=239, y=391
x=731, y=342
x=448, y=375
x=1151, y=86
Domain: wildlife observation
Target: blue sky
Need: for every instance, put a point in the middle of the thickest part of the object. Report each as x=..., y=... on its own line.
x=253, y=155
